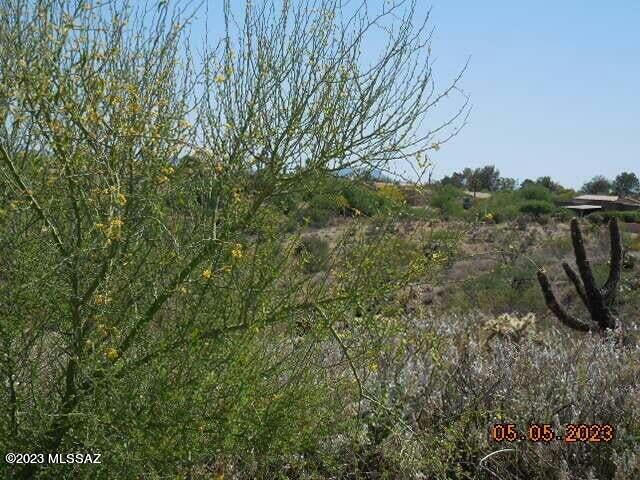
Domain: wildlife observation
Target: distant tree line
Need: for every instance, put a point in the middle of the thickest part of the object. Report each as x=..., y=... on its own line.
x=488, y=179
x=485, y=178
x=625, y=184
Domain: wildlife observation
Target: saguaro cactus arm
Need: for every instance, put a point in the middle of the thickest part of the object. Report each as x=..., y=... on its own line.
x=596, y=304
x=554, y=306
x=597, y=301
x=573, y=276
x=593, y=293
x=610, y=287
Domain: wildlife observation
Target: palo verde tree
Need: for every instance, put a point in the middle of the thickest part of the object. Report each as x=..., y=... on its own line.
x=148, y=305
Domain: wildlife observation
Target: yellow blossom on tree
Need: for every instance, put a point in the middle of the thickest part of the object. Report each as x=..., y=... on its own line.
x=134, y=107
x=206, y=274
x=219, y=78
x=111, y=353
x=236, y=251
x=102, y=330
x=102, y=299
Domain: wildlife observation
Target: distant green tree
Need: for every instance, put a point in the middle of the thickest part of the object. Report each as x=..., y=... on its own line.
x=484, y=178
x=598, y=185
x=548, y=183
x=507, y=184
x=535, y=191
x=456, y=179
x=526, y=182
x=627, y=183
x=488, y=178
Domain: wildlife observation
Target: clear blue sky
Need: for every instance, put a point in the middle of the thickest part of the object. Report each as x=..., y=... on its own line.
x=555, y=85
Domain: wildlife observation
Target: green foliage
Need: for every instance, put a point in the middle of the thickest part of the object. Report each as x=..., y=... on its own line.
x=159, y=304
x=448, y=200
x=596, y=218
x=626, y=183
x=504, y=289
x=598, y=185
x=537, y=207
x=418, y=213
x=535, y=192
x=392, y=193
x=365, y=199
x=531, y=200
x=331, y=197
x=602, y=217
x=153, y=304
x=632, y=216
x=562, y=214
x=486, y=178
x=502, y=206
x=442, y=245
x=314, y=253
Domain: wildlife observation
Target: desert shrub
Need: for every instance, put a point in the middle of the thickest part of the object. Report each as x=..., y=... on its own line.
x=320, y=209
x=442, y=245
x=508, y=287
x=418, y=213
x=151, y=307
x=503, y=206
x=314, y=217
x=415, y=195
x=448, y=200
x=506, y=213
x=562, y=214
x=335, y=203
x=392, y=193
x=451, y=391
x=565, y=195
x=596, y=218
x=536, y=192
x=542, y=219
x=445, y=381
x=365, y=199
x=537, y=208
x=314, y=253
x=625, y=216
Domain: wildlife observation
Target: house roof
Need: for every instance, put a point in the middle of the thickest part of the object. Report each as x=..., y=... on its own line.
x=630, y=201
x=584, y=207
x=601, y=198
x=482, y=195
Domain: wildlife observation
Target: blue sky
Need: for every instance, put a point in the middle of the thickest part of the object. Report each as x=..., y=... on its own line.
x=555, y=86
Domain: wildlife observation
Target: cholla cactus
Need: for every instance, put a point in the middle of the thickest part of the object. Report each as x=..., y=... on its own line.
x=509, y=326
x=597, y=300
